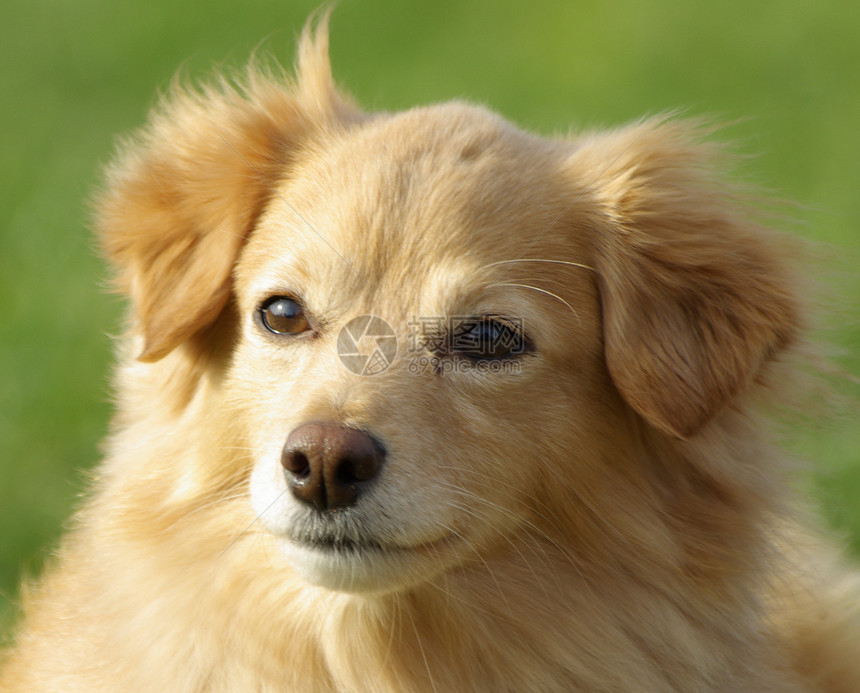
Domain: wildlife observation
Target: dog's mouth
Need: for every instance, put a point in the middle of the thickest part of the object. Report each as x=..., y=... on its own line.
x=343, y=545
x=346, y=545
x=346, y=533
x=357, y=563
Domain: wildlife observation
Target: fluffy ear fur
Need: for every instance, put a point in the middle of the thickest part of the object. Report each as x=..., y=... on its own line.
x=184, y=196
x=694, y=301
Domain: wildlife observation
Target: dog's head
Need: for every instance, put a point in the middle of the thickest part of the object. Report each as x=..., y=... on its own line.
x=435, y=331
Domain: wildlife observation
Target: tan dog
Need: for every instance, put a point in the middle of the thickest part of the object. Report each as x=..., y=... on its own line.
x=556, y=483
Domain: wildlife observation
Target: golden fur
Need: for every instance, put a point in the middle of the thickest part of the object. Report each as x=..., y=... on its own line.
x=611, y=517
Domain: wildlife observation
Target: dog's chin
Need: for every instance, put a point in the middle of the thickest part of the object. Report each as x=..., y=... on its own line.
x=365, y=567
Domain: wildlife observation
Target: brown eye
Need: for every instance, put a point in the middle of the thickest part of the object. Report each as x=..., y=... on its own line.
x=283, y=315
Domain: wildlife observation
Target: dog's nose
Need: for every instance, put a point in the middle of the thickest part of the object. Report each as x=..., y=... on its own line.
x=327, y=464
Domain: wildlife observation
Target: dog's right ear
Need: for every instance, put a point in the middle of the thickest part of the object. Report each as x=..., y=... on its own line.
x=185, y=195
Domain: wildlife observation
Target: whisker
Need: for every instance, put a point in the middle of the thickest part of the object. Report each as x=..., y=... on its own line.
x=256, y=519
x=478, y=476
x=421, y=650
x=472, y=498
x=594, y=182
x=228, y=498
x=548, y=293
x=535, y=259
x=541, y=555
x=564, y=481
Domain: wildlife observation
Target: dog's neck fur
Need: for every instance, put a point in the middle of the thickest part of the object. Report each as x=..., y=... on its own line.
x=443, y=635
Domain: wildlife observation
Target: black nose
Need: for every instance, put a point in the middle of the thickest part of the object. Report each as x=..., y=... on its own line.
x=328, y=464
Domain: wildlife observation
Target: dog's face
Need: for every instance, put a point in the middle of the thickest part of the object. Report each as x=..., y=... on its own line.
x=462, y=249
x=553, y=303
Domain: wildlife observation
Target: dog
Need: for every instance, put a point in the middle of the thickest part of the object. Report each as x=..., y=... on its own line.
x=419, y=401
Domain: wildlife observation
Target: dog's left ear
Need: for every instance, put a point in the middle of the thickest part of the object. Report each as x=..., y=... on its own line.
x=185, y=196
x=695, y=295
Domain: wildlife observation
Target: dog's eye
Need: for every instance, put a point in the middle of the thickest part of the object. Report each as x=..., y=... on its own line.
x=283, y=315
x=488, y=338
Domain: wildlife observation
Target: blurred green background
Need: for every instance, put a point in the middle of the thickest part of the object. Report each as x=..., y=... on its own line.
x=76, y=73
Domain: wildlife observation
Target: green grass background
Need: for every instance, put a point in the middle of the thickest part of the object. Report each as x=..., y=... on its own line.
x=75, y=73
